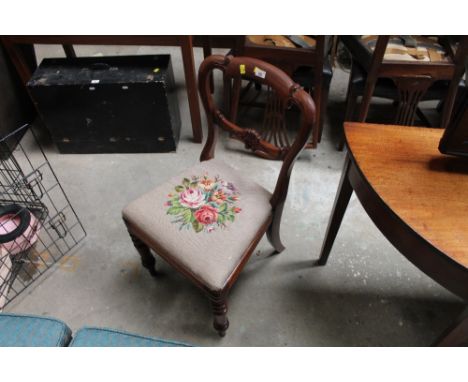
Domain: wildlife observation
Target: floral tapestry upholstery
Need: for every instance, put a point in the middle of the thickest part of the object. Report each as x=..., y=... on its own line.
x=203, y=203
x=204, y=219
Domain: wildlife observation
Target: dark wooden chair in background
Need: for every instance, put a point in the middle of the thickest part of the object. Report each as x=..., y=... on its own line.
x=207, y=221
x=304, y=58
x=308, y=65
x=405, y=69
x=454, y=141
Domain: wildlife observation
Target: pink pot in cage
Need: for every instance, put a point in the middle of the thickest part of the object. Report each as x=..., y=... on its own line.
x=18, y=229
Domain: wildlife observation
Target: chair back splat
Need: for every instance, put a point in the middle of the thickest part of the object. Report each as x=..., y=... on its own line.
x=235, y=68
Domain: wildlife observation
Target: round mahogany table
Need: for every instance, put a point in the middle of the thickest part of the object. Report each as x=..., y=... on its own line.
x=417, y=197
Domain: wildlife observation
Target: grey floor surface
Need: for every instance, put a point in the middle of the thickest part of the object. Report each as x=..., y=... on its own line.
x=368, y=294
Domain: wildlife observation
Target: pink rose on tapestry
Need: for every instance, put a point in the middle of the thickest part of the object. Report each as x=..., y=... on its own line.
x=206, y=214
x=203, y=203
x=192, y=198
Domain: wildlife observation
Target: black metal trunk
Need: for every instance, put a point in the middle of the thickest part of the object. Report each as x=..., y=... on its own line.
x=16, y=108
x=124, y=104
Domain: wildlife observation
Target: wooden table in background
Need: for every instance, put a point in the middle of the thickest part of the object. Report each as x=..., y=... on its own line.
x=417, y=197
x=185, y=42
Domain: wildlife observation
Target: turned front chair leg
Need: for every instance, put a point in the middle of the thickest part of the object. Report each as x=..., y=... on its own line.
x=220, y=321
x=147, y=258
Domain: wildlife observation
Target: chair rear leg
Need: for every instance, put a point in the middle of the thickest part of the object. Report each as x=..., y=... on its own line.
x=323, y=110
x=273, y=233
x=351, y=101
x=147, y=258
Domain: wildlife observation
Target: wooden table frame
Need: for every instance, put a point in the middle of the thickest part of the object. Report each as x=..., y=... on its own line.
x=185, y=42
x=414, y=247
x=424, y=255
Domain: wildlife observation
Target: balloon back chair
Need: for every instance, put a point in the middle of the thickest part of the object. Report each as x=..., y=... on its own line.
x=207, y=221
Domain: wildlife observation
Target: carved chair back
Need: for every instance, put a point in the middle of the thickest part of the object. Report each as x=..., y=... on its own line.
x=288, y=92
x=289, y=60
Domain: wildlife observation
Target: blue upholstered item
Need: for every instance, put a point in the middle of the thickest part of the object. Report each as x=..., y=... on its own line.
x=101, y=337
x=27, y=330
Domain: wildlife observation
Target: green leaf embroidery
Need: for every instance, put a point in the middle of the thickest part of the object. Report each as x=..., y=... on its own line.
x=174, y=210
x=223, y=207
x=186, y=182
x=221, y=219
x=179, y=188
x=197, y=226
x=187, y=215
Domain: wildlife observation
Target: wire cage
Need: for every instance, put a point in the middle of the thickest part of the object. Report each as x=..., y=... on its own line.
x=38, y=225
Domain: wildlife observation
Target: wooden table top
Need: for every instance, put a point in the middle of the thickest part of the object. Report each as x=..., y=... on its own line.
x=426, y=189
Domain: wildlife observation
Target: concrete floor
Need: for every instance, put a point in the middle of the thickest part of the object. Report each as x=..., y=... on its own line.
x=368, y=294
